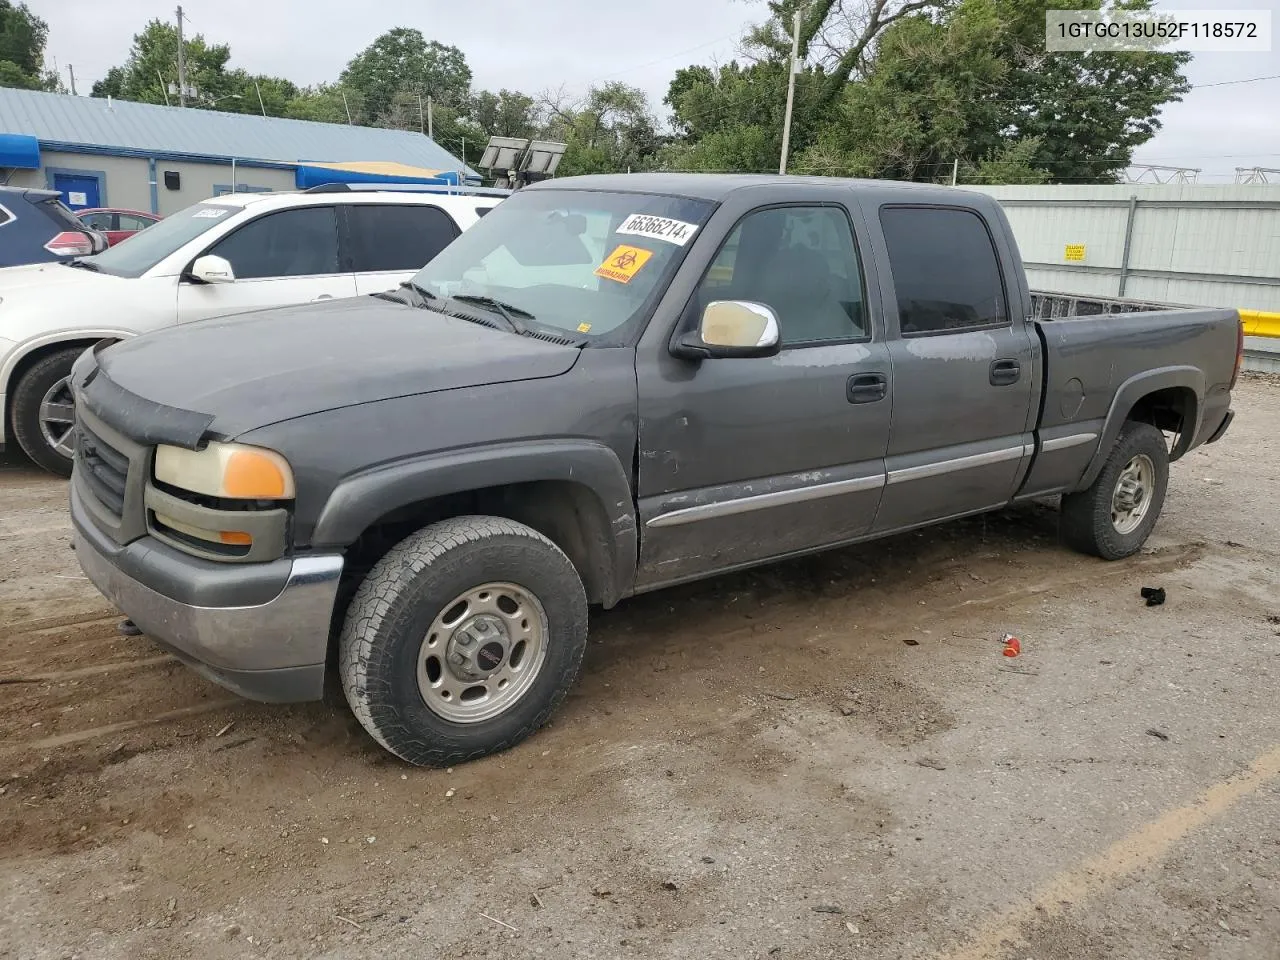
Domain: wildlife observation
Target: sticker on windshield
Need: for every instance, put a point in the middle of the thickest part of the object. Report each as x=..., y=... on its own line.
x=623, y=264
x=658, y=228
x=584, y=328
x=210, y=213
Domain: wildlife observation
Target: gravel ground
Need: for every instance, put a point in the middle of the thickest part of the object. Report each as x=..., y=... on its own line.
x=825, y=758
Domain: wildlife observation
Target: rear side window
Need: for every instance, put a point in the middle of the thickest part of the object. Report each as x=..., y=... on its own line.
x=386, y=238
x=97, y=221
x=5, y=216
x=481, y=211
x=945, y=270
x=302, y=242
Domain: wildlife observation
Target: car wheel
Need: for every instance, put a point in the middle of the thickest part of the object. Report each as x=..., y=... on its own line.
x=1113, y=518
x=462, y=640
x=44, y=411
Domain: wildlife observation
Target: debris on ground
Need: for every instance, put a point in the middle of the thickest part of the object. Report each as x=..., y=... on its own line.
x=1153, y=595
x=1158, y=734
x=911, y=641
x=827, y=908
x=778, y=695
x=931, y=763
x=1012, y=645
x=127, y=628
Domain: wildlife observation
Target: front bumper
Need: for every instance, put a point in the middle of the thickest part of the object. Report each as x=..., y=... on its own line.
x=261, y=630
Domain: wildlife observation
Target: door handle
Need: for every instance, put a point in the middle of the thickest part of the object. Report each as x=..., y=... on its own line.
x=867, y=387
x=323, y=296
x=1005, y=372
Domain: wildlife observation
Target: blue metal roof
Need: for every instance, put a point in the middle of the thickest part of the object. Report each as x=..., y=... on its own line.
x=56, y=118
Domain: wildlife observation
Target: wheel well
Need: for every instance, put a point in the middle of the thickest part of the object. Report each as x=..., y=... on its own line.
x=566, y=513
x=1172, y=410
x=31, y=359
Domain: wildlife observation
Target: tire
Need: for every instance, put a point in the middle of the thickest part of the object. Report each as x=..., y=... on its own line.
x=1088, y=523
x=403, y=628
x=40, y=380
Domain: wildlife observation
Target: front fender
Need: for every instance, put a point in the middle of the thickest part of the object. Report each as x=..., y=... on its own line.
x=1128, y=395
x=360, y=500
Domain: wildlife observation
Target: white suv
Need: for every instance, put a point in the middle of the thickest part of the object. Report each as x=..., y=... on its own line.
x=226, y=255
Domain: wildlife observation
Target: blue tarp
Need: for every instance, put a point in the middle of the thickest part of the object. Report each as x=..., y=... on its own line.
x=316, y=176
x=17, y=150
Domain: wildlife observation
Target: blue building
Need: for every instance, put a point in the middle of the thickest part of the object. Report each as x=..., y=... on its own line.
x=100, y=153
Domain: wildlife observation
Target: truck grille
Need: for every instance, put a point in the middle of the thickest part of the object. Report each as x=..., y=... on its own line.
x=104, y=468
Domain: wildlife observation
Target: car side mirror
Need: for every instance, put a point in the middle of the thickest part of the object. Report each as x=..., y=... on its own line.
x=211, y=269
x=732, y=328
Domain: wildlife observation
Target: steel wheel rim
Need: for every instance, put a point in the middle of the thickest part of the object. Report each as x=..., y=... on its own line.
x=58, y=418
x=1134, y=490
x=482, y=652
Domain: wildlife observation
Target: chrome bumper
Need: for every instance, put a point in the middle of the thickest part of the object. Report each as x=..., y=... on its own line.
x=273, y=651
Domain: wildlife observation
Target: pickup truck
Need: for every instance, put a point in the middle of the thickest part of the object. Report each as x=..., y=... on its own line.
x=608, y=385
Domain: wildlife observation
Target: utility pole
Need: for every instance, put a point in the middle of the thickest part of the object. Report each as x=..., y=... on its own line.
x=182, y=65
x=791, y=91
x=261, y=105
x=955, y=171
x=72, y=70
x=346, y=105
x=421, y=123
x=431, y=124
x=163, y=88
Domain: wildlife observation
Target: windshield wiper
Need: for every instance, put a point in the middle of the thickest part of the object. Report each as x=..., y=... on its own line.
x=82, y=264
x=507, y=311
x=396, y=296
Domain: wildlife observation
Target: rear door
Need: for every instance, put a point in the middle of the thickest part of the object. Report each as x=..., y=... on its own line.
x=742, y=460
x=963, y=368
x=386, y=244
x=280, y=258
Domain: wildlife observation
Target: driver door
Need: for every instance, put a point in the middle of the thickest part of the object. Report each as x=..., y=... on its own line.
x=281, y=258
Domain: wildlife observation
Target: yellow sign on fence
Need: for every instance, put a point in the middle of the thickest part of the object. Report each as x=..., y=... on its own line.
x=1074, y=253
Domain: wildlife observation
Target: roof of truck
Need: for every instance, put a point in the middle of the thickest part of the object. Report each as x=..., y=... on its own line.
x=717, y=186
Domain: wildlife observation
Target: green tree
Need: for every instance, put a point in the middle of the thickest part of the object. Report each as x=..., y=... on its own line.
x=22, y=40
x=402, y=59
x=153, y=65
x=322, y=103
x=505, y=113
x=611, y=130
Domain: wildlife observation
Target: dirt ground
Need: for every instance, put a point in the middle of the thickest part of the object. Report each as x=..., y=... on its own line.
x=826, y=758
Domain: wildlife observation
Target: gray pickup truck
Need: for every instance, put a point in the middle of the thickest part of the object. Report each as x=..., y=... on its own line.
x=607, y=386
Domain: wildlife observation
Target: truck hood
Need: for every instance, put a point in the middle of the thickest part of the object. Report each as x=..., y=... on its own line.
x=246, y=371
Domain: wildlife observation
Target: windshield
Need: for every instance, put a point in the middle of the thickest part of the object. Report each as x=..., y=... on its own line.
x=135, y=255
x=583, y=263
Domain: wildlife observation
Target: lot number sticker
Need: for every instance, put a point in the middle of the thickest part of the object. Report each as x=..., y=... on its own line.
x=209, y=213
x=658, y=228
x=623, y=264
x=1074, y=252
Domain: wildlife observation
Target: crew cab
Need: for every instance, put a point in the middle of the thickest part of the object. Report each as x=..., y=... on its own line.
x=227, y=255
x=607, y=386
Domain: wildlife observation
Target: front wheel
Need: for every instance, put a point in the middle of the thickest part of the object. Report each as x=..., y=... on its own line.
x=44, y=411
x=462, y=640
x=1113, y=518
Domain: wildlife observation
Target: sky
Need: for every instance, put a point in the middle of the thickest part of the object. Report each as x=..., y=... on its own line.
x=570, y=44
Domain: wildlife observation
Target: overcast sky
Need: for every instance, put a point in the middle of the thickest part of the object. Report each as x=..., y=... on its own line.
x=534, y=46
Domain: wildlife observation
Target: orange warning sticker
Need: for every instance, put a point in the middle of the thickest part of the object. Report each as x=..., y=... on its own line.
x=624, y=263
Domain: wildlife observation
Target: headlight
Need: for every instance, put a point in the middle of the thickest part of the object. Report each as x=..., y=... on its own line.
x=226, y=470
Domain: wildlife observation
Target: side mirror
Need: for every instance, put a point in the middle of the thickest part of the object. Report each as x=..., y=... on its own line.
x=211, y=269
x=732, y=328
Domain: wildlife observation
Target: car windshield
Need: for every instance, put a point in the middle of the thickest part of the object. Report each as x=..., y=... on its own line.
x=135, y=255
x=584, y=263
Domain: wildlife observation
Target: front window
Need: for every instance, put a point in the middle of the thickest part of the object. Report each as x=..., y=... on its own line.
x=584, y=263
x=137, y=254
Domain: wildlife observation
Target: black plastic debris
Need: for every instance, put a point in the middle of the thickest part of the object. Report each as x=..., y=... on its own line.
x=1153, y=595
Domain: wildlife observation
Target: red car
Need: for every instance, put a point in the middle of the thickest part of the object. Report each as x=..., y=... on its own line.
x=116, y=224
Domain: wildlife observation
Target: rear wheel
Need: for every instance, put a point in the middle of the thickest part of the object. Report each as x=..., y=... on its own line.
x=1113, y=518
x=462, y=640
x=44, y=411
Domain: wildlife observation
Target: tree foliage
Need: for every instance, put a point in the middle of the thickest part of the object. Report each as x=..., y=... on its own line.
x=22, y=40
x=401, y=62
